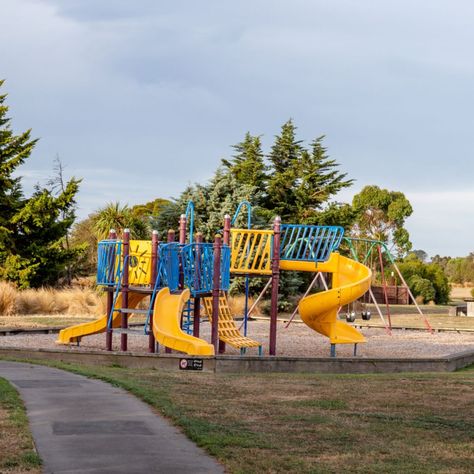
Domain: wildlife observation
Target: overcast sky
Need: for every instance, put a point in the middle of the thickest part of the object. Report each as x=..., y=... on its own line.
x=141, y=97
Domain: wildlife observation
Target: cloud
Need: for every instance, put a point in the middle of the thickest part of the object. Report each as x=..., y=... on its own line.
x=158, y=92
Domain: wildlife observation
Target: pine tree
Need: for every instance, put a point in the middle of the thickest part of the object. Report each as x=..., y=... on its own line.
x=247, y=165
x=284, y=158
x=318, y=180
x=14, y=150
x=32, y=230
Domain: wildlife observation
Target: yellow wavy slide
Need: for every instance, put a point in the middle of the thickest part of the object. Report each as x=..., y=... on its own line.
x=166, y=325
x=71, y=334
x=350, y=281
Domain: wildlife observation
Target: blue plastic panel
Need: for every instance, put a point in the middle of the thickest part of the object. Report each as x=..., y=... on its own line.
x=198, y=267
x=310, y=243
x=108, y=261
x=168, y=265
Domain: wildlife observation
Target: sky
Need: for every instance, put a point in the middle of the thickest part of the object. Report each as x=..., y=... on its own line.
x=142, y=98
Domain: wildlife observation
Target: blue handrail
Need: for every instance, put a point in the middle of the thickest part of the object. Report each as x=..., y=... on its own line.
x=249, y=213
x=190, y=212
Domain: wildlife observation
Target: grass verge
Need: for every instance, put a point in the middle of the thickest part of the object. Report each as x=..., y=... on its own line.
x=312, y=423
x=17, y=453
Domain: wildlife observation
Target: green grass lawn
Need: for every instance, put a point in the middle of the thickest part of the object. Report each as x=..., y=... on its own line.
x=315, y=423
x=17, y=454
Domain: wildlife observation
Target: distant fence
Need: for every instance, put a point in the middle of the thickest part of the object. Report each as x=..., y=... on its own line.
x=396, y=295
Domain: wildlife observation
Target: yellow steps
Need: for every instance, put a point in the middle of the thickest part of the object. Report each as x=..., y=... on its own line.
x=227, y=329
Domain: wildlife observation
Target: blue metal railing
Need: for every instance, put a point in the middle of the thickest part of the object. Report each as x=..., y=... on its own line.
x=198, y=267
x=309, y=242
x=109, y=262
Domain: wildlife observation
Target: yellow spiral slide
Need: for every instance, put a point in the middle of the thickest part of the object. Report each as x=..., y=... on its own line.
x=350, y=280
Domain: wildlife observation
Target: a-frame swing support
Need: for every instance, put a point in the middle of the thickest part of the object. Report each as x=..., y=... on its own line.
x=382, y=246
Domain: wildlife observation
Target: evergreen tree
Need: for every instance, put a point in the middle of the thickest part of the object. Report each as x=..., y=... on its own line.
x=32, y=230
x=284, y=160
x=318, y=180
x=247, y=165
x=14, y=150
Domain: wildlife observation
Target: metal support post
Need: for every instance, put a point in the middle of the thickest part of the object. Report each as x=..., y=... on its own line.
x=275, y=284
x=124, y=316
x=110, y=300
x=216, y=292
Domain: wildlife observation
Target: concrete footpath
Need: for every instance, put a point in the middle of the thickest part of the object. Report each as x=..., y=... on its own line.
x=82, y=425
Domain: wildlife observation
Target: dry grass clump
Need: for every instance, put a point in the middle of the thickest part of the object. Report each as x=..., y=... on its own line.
x=237, y=305
x=49, y=301
x=8, y=297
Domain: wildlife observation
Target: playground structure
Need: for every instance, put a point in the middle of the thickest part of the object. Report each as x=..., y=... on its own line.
x=179, y=278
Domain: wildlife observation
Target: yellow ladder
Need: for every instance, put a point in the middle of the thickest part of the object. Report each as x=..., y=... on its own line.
x=228, y=331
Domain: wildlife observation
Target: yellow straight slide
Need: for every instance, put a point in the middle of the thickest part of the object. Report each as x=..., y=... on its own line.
x=71, y=334
x=350, y=281
x=166, y=325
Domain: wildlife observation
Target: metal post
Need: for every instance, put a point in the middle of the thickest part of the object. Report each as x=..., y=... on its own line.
x=313, y=282
x=182, y=241
x=170, y=239
x=399, y=273
x=260, y=296
x=216, y=292
x=384, y=283
x=124, y=318
x=110, y=300
x=333, y=350
x=154, y=276
x=226, y=241
x=182, y=229
x=197, y=299
x=275, y=283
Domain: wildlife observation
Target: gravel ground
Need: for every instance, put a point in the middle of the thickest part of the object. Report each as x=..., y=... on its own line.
x=297, y=340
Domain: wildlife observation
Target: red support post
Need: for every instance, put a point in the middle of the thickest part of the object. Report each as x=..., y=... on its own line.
x=216, y=277
x=384, y=283
x=171, y=237
x=197, y=299
x=124, y=318
x=182, y=229
x=110, y=300
x=227, y=223
x=226, y=241
x=275, y=284
x=154, y=276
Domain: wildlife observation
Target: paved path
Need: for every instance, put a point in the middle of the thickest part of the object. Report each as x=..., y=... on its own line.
x=82, y=425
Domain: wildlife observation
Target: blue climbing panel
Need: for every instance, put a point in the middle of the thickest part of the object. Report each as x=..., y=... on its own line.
x=108, y=261
x=312, y=243
x=198, y=267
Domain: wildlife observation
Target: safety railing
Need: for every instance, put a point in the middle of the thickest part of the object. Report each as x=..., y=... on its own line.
x=169, y=268
x=198, y=267
x=309, y=242
x=109, y=261
x=251, y=251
